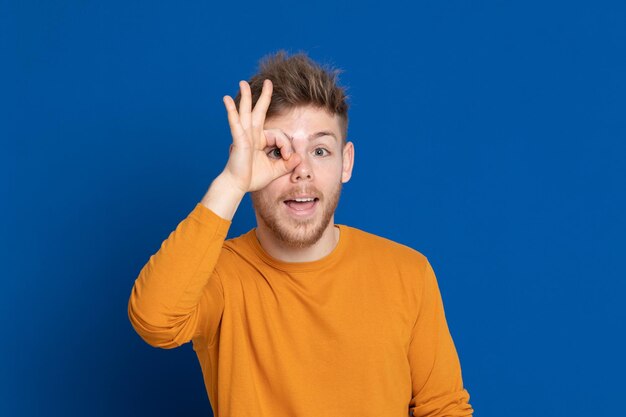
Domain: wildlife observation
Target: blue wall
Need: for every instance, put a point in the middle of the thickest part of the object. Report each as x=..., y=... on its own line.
x=489, y=135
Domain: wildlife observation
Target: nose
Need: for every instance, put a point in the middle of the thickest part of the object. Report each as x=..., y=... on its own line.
x=302, y=171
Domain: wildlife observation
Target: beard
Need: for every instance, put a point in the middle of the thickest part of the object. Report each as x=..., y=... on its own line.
x=296, y=233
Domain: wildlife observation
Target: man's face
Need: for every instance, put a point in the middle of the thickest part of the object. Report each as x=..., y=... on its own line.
x=299, y=206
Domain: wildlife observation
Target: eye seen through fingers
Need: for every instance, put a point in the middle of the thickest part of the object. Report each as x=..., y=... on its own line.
x=274, y=153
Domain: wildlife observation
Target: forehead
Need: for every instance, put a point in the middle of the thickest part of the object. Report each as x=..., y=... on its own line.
x=304, y=121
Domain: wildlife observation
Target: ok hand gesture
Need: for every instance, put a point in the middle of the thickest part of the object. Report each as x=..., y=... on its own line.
x=249, y=166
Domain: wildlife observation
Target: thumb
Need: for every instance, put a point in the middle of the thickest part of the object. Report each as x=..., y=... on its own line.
x=288, y=165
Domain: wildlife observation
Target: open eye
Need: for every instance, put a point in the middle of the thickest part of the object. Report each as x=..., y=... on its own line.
x=321, y=152
x=274, y=153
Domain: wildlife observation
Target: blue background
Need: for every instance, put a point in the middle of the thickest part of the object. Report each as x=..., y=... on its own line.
x=489, y=136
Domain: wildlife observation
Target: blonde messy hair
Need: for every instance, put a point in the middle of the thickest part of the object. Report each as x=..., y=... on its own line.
x=299, y=81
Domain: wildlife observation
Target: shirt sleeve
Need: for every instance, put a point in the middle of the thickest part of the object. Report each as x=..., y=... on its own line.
x=177, y=296
x=437, y=385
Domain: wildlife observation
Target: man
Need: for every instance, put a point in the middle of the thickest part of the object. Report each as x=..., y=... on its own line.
x=299, y=317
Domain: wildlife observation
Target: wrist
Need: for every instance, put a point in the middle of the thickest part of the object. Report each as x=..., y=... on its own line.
x=223, y=197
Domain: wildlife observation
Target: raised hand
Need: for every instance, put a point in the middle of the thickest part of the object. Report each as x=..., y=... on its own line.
x=254, y=161
x=257, y=156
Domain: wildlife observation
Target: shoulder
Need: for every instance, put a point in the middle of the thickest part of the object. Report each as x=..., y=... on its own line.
x=241, y=246
x=374, y=245
x=237, y=258
x=238, y=243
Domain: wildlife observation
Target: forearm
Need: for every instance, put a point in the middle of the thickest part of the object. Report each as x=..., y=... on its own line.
x=223, y=198
x=164, y=300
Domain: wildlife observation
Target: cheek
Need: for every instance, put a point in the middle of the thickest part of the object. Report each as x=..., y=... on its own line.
x=329, y=164
x=275, y=188
x=329, y=175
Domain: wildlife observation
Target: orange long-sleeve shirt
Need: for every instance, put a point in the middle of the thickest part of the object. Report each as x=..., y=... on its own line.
x=360, y=332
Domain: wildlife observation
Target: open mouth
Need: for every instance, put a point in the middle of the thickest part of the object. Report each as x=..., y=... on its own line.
x=301, y=204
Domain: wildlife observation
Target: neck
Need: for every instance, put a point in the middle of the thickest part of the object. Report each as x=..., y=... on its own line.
x=278, y=249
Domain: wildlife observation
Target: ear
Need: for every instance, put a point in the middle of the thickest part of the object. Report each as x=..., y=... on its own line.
x=348, y=162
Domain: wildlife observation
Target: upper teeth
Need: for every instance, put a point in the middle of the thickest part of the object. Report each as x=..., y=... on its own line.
x=302, y=200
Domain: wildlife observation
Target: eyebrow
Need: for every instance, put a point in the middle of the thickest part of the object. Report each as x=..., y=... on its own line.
x=322, y=133
x=314, y=135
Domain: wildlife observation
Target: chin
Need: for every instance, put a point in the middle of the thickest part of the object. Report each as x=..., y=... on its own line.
x=293, y=232
x=299, y=234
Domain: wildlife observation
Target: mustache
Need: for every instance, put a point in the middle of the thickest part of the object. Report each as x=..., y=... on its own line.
x=309, y=190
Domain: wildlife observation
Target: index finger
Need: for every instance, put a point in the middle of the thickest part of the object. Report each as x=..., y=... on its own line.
x=277, y=138
x=262, y=104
